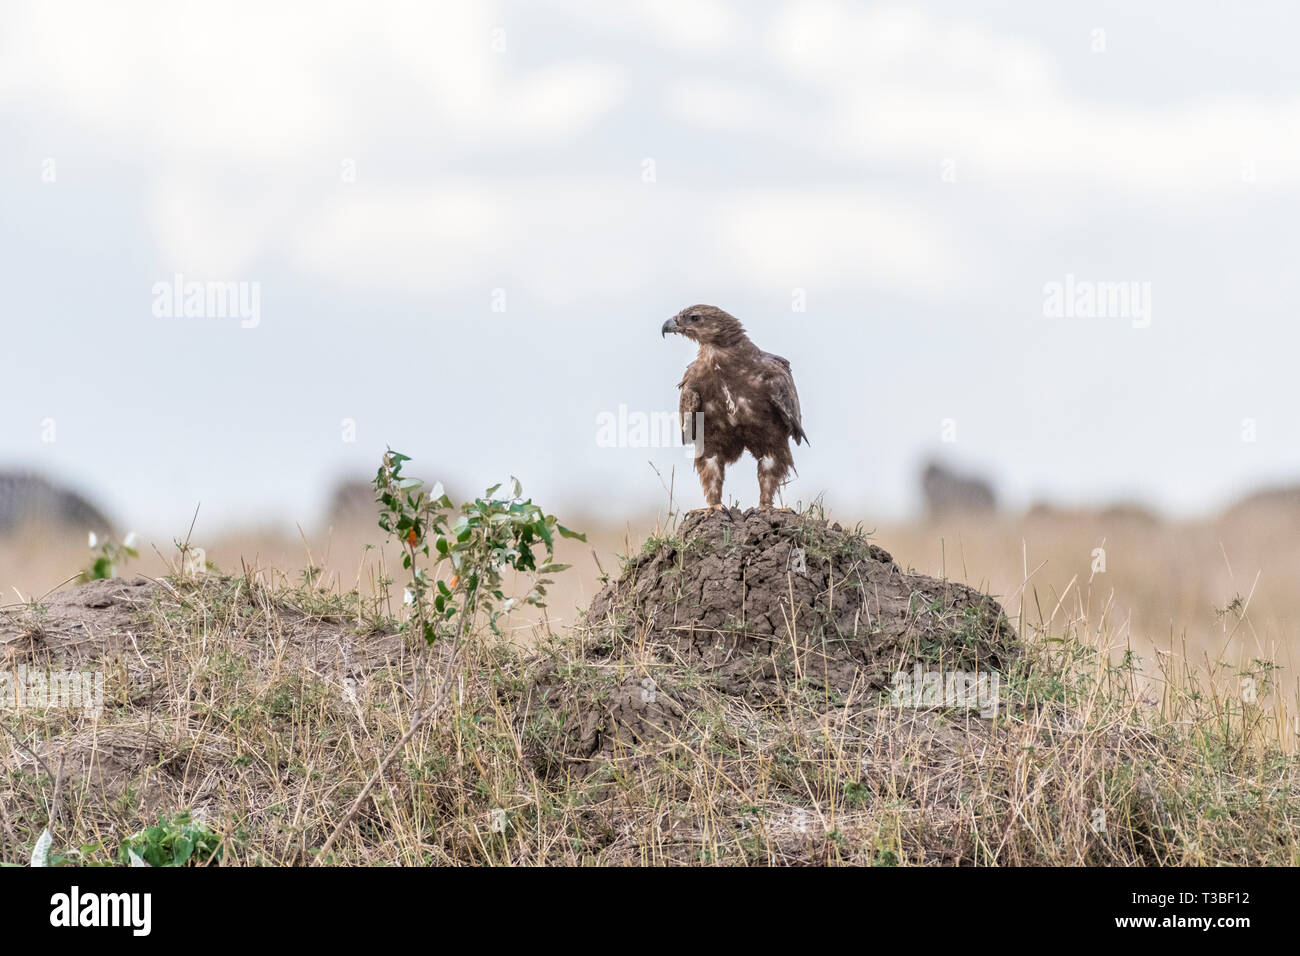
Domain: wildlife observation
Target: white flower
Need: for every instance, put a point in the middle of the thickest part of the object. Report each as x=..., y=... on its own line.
x=408, y=596
x=94, y=539
x=130, y=540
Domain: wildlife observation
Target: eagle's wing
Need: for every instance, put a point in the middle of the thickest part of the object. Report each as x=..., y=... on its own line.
x=690, y=404
x=779, y=383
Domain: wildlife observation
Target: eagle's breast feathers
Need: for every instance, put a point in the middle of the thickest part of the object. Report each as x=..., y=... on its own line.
x=748, y=395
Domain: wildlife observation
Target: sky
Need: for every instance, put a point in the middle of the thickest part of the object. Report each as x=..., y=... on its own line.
x=457, y=228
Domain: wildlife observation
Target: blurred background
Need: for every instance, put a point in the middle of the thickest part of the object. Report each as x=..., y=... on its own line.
x=1048, y=248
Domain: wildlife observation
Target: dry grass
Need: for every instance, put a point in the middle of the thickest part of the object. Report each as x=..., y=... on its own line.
x=264, y=704
x=1215, y=592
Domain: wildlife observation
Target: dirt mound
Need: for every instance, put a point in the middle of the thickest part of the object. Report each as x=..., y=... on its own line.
x=75, y=625
x=750, y=614
x=757, y=601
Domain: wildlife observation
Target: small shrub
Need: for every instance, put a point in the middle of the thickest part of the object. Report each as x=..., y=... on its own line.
x=487, y=536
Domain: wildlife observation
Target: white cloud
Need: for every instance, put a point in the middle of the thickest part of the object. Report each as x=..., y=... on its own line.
x=697, y=27
x=562, y=100
x=899, y=85
x=731, y=108
x=240, y=112
x=831, y=43
x=253, y=82
x=836, y=238
x=214, y=231
x=557, y=241
x=178, y=78
x=405, y=240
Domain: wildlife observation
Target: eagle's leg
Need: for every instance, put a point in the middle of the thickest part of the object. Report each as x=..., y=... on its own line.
x=711, y=472
x=772, y=470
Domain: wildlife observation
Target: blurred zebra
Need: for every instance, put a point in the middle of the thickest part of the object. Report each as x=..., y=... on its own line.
x=27, y=499
x=949, y=493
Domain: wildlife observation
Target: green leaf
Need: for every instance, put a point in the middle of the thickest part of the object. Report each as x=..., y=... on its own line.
x=181, y=851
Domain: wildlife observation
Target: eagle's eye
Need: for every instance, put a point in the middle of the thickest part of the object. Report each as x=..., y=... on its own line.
x=694, y=316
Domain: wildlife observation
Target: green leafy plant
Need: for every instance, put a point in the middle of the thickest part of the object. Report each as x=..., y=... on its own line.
x=178, y=841
x=478, y=543
x=109, y=556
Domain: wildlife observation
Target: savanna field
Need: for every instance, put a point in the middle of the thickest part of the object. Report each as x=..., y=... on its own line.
x=894, y=397
x=283, y=698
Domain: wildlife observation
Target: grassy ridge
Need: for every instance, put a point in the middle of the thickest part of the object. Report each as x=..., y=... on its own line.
x=263, y=706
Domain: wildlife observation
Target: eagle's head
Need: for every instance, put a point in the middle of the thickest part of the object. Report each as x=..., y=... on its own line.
x=706, y=324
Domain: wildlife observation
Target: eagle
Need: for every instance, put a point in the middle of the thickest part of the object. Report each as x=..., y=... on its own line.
x=735, y=398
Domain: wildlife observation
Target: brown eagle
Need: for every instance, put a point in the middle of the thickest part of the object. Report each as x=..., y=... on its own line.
x=735, y=397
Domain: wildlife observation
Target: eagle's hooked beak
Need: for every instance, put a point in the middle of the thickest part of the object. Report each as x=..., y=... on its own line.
x=669, y=326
